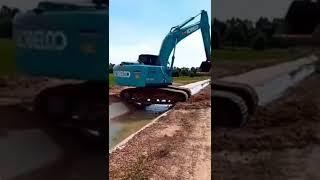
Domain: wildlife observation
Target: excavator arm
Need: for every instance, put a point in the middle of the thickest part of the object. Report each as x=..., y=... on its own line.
x=178, y=33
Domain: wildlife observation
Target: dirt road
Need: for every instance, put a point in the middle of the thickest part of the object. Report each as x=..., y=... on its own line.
x=282, y=141
x=178, y=146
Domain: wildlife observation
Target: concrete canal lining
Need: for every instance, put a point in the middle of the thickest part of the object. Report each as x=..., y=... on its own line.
x=271, y=82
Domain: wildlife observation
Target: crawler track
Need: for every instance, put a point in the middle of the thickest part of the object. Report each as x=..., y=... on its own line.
x=233, y=103
x=229, y=109
x=163, y=95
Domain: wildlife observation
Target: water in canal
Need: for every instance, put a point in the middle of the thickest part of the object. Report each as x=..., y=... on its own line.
x=123, y=126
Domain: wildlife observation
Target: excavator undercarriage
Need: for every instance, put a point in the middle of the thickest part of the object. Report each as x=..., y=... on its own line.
x=155, y=95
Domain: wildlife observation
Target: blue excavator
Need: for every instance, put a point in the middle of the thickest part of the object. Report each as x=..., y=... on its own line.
x=150, y=78
x=70, y=41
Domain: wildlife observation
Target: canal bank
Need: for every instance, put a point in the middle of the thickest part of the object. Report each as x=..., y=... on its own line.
x=125, y=120
x=176, y=144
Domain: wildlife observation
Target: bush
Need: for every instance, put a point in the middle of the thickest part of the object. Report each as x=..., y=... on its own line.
x=175, y=73
x=215, y=40
x=5, y=28
x=277, y=43
x=111, y=68
x=185, y=72
x=259, y=42
x=192, y=74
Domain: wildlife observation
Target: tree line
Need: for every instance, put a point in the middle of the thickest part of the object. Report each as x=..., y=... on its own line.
x=303, y=17
x=236, y=32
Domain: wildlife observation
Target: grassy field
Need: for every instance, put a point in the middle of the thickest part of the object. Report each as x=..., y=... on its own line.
x=245, y=55
x=7, y=64
x=239, y=60
x=182, y=80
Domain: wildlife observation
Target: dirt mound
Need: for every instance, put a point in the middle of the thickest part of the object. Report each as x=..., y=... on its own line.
x=173, y=147
x=198, y=101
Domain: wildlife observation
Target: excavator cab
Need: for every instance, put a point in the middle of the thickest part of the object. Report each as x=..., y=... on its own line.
x=149, y=59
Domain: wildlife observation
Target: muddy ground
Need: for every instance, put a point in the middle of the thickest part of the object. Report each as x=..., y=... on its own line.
x=282, y=140
x=177, y=146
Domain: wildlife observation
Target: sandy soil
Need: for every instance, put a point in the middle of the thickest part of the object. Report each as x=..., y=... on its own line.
x=280, y=142
x=175, y=147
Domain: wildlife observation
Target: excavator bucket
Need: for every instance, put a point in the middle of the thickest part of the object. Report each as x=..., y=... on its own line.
x=205, y=66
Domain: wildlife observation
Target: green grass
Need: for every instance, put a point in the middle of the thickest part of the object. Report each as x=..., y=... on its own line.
x=7, y=60
x=229, y=61
x=111, y=80
x=186, y=79
x=244, y=55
